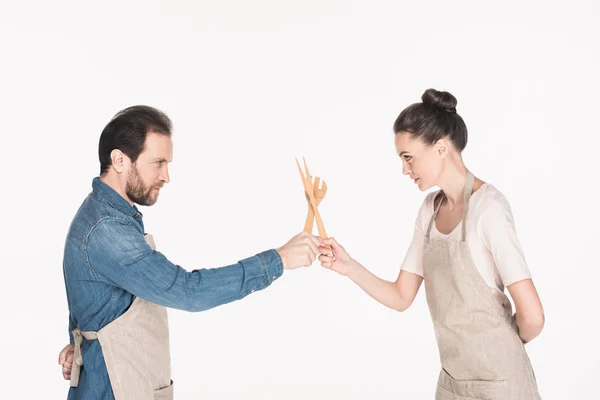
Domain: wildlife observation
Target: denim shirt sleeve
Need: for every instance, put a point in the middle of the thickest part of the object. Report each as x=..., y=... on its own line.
x=72, y=327
x=118, y=254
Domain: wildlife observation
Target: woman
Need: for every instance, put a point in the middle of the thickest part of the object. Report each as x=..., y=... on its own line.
x=466, y=250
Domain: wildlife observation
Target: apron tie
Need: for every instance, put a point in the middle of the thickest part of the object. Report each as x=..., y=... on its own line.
x=78, y=337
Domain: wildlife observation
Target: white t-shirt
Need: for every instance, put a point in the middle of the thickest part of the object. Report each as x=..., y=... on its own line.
x=491, y=237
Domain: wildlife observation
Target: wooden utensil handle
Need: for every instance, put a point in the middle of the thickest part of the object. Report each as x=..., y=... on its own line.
x=310, y=218
x=321, y=227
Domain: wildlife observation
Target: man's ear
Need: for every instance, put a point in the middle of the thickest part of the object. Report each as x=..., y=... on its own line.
x=119, y=161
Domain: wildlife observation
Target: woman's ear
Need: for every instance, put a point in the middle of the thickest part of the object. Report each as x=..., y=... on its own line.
x=442, y=147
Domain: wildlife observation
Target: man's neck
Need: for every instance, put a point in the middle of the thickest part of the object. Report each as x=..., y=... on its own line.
x=114, y=183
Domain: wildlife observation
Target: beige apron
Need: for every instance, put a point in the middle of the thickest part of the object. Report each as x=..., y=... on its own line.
x=135, y=347
x=481, y=353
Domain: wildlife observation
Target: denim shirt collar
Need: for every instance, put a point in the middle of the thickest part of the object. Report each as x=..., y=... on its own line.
x=114, y=199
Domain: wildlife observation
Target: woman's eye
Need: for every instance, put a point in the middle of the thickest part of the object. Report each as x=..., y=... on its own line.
x=407, y=158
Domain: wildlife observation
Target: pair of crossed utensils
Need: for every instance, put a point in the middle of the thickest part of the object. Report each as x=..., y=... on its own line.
x=314, y=196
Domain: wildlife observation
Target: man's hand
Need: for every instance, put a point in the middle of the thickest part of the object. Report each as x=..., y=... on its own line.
x=65, y=358
x=300, y=251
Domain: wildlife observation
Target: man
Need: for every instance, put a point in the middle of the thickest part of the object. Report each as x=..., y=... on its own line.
x=118, y=285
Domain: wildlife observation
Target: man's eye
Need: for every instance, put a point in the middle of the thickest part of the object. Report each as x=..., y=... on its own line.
x=159, y=163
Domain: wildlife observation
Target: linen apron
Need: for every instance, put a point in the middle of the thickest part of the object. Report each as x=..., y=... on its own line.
x=481, y=353
x=136, y=351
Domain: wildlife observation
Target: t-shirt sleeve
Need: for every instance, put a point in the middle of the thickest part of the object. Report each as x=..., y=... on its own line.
x=499, y=236
x=413, y=260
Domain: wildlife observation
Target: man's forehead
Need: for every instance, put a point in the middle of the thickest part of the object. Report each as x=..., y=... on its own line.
x=158, y=146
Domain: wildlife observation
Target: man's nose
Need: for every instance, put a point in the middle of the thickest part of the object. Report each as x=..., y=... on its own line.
x=164, y=175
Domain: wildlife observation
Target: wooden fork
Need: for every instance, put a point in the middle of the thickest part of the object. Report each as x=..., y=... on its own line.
x=319, y=194
x=309, y=192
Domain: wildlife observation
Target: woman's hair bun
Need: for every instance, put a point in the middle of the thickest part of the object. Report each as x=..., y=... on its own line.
x=441, y=100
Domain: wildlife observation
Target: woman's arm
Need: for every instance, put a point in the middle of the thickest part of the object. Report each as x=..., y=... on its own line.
x=529, y=311
x=397, y=295
x=500, y=237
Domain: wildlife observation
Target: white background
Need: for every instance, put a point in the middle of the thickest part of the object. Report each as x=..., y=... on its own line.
x=251, y=85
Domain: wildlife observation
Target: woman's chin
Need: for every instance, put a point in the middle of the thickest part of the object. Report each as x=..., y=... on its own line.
x=422, y=186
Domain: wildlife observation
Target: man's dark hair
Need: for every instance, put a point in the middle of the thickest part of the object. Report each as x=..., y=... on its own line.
x=127, y=132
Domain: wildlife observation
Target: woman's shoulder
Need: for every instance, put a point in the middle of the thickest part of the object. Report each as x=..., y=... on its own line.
x=426, y=210
x=491, y=200
x=428, y=202
x=486, y=201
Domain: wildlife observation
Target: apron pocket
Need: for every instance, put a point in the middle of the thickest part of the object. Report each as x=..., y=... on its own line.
x=450, y=388
x=165, y=393
x=444, y=394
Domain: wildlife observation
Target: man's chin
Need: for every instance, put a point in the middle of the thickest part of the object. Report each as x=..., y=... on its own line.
x=152, y=200
x=147, y=202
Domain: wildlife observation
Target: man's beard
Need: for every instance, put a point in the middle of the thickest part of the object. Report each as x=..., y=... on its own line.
x=137, y=191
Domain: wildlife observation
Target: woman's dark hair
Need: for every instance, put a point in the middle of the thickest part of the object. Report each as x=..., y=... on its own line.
x=433, y=119
x=127, y=132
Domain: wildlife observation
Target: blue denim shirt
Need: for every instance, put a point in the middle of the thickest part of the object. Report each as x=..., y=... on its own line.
x=107, y=264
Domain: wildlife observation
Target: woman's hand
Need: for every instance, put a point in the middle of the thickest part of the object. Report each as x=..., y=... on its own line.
x=337, y=259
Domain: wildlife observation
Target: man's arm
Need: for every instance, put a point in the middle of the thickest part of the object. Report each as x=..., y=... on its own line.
x=117, y=253
x=72, y=326
x=133, y=265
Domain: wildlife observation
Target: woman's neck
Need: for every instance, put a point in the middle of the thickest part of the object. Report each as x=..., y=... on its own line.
x=452, y=182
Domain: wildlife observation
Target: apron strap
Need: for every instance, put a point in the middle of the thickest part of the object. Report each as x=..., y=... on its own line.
x=78, y=337
x=435, y=213
x=467, y=196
